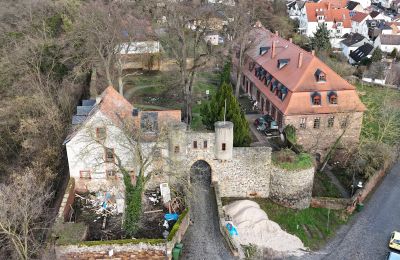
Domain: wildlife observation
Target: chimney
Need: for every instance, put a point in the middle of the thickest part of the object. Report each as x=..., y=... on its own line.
x=300, y=62
x=277, y=33
x=273, y=50
x=313, y=52
x=290, y=40
x=329, y=5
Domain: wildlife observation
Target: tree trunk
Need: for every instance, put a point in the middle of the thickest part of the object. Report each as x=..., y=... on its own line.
x=239, y=70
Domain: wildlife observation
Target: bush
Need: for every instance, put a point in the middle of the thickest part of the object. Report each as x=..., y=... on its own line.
x=289, y=160
x=133, y=196
x=177, y=224
x=290, y=132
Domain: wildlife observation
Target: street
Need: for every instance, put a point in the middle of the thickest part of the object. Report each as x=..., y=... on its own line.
x=367, y=234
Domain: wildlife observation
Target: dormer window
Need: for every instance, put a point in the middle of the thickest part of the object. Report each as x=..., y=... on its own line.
x=282, y=63
x=316, y=99
x=339, y=24
x=264, y=50
x=332, y=98
x=282, y=92
x=274, y=85
x=268, y=79
x=321, y=17
x=320, y=76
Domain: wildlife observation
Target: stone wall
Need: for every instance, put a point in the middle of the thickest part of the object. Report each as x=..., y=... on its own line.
x=321, y=139
x=330, y=203
x=247, y=174
x=291, y=188
x=117, y=251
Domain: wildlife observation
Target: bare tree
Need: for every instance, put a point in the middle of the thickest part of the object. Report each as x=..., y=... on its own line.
x=23, y=217
x=185, y=26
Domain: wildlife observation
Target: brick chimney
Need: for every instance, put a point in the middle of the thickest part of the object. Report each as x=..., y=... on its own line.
x=277, y=33
x=290, y=40
x=273, y=50
x=313, y=52
x=300, y=61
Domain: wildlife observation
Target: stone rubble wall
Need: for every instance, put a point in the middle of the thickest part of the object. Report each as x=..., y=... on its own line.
x=291, y=188
x=119, y=251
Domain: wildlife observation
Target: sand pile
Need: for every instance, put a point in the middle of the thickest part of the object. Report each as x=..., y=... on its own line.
x=254, y=227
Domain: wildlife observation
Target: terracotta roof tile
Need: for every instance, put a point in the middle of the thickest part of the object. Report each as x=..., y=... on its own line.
x=330, y=13
x=358, y=16
x=300, y=81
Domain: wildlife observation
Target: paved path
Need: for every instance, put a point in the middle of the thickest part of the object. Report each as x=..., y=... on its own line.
x=366, y=236
x=203, y=240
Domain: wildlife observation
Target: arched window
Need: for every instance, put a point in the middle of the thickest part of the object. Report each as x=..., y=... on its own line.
x=316, y=99
x=332, y=98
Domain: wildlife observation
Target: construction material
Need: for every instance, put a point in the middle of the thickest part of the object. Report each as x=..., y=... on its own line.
x=153, y=211
x=254, y=227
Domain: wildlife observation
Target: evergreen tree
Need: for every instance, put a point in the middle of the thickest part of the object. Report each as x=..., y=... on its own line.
x=320, y=41
x=376, y=55
x=214, y=111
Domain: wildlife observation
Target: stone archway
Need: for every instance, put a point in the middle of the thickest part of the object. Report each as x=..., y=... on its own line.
x=203, y=239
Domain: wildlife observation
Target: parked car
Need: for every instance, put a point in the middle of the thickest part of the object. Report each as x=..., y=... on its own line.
x=265, y=118
x=394, y=241
x=393, y=256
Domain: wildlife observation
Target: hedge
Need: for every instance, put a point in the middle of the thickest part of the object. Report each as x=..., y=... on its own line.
x=177, y=224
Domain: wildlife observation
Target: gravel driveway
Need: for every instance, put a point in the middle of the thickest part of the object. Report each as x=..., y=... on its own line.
x=203, y=239
x=366, y=236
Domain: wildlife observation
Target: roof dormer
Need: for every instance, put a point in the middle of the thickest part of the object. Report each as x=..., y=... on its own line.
x=282, y=63
x=320, y=76
x=264, y=50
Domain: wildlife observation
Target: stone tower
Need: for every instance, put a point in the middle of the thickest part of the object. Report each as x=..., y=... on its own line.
x=223, y=140
x=177, y=141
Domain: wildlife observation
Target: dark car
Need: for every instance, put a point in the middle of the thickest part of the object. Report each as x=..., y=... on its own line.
x=261, y=120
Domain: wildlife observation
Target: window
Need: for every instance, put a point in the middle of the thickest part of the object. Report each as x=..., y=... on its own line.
x=111, y=174
x=85, y=174
x=176, y=149
x=331, y=120
x=195, y=144
x=317, y=122
x=205, y=144
x=332, y=98
x=223, y=146
x=316, y=99
x=109, y=154
x=303, y=122
x=320, y=75
x=100, y=133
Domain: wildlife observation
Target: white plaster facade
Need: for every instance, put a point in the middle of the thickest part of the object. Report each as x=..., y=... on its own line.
x=361, y=27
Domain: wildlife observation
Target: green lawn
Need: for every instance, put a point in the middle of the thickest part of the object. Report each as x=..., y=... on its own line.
x=289, y=160
x=323, y=187
x=310, y=225
x=383, y=106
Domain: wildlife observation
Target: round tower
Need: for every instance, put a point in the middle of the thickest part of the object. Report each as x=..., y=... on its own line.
x=223, y=140
x=177, y=140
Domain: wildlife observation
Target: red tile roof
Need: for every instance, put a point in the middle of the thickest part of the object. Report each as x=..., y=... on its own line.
x=301, y=81
x=330, y=13
x=358, y=16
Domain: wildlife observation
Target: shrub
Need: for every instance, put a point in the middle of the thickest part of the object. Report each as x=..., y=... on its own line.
x=177, y=224
x=289, y=160
x=290, y=132
x=133, y=196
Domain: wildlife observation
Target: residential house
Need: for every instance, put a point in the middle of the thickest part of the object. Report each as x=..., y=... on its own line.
x=296, y=88
x=386, y=3
x=351, y=43
x=388, y=42
x=362, y=52
x=375, y=28
x=99, y=146
x=376, y=15
x=354, y=7
x=396, y=6
x=359, y=23
x=364, y=3
x=376, y=73
x=391, y=28
x=337, y=20
x=295, y=8
x=214, y=38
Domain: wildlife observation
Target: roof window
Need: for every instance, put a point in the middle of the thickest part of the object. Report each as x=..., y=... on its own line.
x=316, y=99
x=320, y=75
x=282, y=63
x=264, y=50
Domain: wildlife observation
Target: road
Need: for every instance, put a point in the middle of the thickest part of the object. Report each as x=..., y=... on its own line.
x=367, y=233
x=203, y=239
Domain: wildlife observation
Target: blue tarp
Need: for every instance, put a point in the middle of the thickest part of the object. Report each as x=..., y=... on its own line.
x=232, y=230
x=172, y=216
